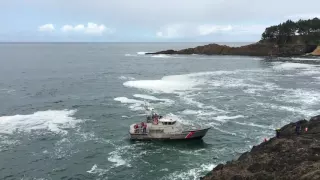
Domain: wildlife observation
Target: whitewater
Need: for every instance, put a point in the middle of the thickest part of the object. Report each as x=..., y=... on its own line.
x=67, y=116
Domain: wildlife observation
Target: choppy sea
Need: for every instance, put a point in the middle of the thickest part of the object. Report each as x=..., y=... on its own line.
x=65, y=108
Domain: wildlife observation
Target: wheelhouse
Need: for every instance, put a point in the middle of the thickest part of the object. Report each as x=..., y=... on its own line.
x=167, y=122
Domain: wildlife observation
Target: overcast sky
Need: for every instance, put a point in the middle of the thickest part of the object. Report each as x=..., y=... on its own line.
x=147, y=20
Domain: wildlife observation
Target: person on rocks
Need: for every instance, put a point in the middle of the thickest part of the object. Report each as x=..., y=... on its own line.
x=298, y=128
x=277, y=132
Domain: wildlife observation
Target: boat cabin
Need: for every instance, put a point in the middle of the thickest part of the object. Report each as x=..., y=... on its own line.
x=167, y=122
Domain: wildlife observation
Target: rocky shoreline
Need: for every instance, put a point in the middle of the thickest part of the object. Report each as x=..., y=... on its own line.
x=289, y=156
x=255, y=49
x=286, y=39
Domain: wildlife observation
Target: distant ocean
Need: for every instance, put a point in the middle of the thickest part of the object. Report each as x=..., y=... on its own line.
x=66, y=108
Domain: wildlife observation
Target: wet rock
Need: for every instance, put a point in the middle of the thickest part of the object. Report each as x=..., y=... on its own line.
x=290, y=156
x=255, y=49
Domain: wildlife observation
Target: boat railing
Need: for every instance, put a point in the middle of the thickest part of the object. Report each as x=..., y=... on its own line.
x=141, y=131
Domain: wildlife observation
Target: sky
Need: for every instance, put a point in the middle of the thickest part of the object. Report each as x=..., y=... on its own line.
x=146, y=20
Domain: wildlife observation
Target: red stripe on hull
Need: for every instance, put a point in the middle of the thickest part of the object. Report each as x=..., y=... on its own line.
x=190, y=134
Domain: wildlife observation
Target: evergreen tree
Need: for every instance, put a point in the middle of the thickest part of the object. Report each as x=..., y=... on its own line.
x=284, y=32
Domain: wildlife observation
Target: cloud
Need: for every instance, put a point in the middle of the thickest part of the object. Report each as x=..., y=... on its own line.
x=90, y=28
x=142, y=12
x=196, y=30
x=303, y=16
x=46, y=28
x=162, y=19
x=171, y=31
x=210, y=29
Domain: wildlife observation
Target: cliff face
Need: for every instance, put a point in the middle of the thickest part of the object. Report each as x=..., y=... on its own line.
x=288, y=157
x=256, y=49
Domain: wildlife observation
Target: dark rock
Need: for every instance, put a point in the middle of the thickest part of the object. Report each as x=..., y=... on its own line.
x=290, y=156
x=165, y=52
x=255, y=49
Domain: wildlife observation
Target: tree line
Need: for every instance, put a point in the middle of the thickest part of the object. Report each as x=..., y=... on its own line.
x=287, y=31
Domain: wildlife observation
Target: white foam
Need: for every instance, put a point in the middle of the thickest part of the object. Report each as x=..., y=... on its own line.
x=306, y=59
x=8, y=91
x=153, y=98
x=135, y=105
x=52, y=120
x=253, y=125
x=126, y=78
x=142, y=53
x=302, y=97
x=291, y=66
x=165, y=169
x=160, y=56
x=224, y=131
x=191, y=101
x=225, y=118
x=310, y=72
x=191, y=112
x=193, y=173
x=6, y=142
x=184, y=82
x=126, y=100
x=302, y=111
x=96, y=170
x=115, y=158
x=199, y=113
x=169, y=84
x=166, y=85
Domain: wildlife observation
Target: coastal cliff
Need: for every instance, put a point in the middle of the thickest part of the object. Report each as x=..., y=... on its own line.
x=290, y=156
x=283, y=40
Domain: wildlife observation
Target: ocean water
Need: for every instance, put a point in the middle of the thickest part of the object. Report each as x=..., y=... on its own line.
x=66, y=108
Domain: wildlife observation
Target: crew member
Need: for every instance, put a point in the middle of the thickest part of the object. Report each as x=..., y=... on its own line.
x=136, y=126
x=145, y=128
x=155, y=120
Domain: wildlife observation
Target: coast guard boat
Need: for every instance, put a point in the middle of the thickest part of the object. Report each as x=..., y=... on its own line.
x=156, y=127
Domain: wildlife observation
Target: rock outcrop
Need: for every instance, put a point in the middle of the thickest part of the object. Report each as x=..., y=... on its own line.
x=288, y=157
x=256, y=49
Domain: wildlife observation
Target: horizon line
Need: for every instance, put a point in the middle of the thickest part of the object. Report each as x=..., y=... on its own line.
x=40, y=42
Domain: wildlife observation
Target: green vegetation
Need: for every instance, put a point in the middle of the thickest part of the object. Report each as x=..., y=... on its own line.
x=302, y=31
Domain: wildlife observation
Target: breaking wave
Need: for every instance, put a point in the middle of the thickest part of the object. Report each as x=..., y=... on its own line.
x=126, y=78
x=152, y=98
x=226, y=118
x=291, y=66
x=55, y=121
x=135, y=105
x=193, y=173
x=142, y=53
x=161, y=56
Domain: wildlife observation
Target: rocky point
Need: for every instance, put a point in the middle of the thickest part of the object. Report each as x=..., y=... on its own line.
x=287, y=157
